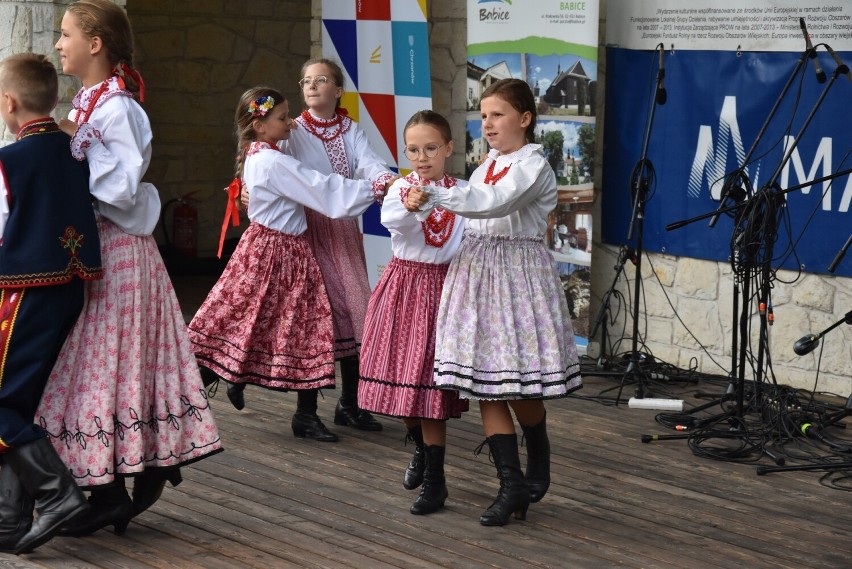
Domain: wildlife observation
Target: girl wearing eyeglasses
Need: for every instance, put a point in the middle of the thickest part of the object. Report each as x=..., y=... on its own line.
x=397, y=357
x=267, y=321
x=504, y=333
x=327, y=140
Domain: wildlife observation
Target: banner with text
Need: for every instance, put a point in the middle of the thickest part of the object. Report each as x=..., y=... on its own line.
x=383, y=48
x=529, y=40
x=727, y=63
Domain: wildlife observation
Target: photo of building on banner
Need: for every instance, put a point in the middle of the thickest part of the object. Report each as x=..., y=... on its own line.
x=563, y=78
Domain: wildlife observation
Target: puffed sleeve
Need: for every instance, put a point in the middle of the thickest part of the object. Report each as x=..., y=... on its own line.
x=330, y=194
x=521, y=186
x=369, y=165
x=118, y=154
x=394, y=216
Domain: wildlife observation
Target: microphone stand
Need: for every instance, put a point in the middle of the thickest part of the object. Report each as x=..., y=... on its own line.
x=600, y=320
x=827, y=420
x=740, y=345
x=640, y=180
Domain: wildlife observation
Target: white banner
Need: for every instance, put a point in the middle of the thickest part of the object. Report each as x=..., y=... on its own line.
x=728, y=25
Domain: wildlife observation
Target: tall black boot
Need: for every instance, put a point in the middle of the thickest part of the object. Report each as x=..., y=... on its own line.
x=46, y=479
x=347, y=411
x=514, y=496
x=110, y=506
x=148, y=486
x=414, y=473
x=306, y=423
x=16, y=509
x=538, y=459
x=434, y=492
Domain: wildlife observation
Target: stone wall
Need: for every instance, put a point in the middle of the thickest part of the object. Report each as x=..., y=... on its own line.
x=197, y=59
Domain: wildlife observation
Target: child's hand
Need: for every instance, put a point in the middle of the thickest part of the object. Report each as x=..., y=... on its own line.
x=389, y=184
x=69, y=127
x=416, y=198
x=244, y=196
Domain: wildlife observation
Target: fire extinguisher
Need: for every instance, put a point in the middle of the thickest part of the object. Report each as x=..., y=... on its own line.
x=185, y=229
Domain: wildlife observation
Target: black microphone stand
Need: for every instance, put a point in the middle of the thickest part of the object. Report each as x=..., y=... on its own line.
x=827, y=420
x=600, y=321
x=768, y=198
x=641, y=178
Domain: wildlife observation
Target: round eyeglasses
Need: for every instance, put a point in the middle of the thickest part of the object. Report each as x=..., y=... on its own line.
x=430, y=150
x=317, y=81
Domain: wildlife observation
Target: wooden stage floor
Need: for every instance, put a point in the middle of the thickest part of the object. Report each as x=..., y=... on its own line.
x=271, y=500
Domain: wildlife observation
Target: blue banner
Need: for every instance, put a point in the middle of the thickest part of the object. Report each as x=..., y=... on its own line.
x=717, y=102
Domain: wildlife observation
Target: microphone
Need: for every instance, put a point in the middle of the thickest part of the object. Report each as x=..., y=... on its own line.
x=820, y=74
x=806, y=344
x=842, y=68
x=661, y=90
x=840, y=254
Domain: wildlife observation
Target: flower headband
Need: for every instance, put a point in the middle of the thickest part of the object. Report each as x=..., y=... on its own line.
x=260, y=106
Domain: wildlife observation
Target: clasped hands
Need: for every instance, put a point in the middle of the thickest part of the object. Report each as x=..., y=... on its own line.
x=416, y=199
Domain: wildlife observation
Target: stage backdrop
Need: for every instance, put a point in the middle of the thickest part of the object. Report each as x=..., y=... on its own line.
x=383, y=48
x=726, y=63
x=553, y=47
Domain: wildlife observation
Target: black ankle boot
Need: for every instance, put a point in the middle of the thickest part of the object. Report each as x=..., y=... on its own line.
x=236, y=396
x=110, y=505
x=434, y=492
x=514, y=496
x=16, y=509
x=538, y=460
x=347, y=411
x=350, y=415
x=414, y=473
x=47, y=481
x=148, y=486
x=309, y=426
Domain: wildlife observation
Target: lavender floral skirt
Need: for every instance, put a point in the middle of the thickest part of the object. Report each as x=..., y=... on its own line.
x=504, y=330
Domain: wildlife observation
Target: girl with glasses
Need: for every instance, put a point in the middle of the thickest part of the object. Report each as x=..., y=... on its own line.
x=397, y=357
x=504, y=330
x=328, y=141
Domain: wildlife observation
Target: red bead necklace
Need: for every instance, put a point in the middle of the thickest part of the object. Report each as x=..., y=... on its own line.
x=491, y=177
x=323, y=129
x=97, y=95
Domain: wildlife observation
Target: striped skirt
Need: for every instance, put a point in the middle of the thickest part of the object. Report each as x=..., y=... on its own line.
x=504, y=329
x=397, y=357
x=338, y=246
x=267, y=320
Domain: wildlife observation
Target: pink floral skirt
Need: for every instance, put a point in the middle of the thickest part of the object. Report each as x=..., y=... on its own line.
x=397, y=358
x=338, y=246
x=125, y=393
x=267, y=320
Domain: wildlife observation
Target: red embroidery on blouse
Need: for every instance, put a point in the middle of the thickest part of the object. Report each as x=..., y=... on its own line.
x=491, y=177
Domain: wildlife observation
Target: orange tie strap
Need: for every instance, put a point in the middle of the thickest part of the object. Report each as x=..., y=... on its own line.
x=232, y=213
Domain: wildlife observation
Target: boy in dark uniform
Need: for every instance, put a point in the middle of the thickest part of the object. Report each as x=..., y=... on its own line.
x=49, y=246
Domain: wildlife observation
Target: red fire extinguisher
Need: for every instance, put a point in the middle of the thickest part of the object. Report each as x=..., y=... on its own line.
x=185, y=229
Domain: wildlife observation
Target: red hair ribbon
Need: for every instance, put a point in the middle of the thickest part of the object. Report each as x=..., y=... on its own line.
x=232, y=213
x=341, y=111
x=130, y=71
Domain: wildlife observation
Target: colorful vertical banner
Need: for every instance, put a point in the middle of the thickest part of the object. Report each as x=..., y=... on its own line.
x=383, y=48
x=551, y=45
x=727, y=63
